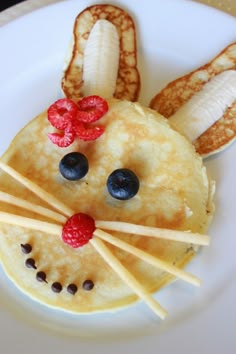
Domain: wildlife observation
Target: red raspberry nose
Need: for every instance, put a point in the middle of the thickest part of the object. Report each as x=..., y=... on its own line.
x=78, y=230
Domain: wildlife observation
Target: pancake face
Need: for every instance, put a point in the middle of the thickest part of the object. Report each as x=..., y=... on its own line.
x=174, y=193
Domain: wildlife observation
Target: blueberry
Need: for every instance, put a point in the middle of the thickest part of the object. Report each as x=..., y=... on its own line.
x=122, y=184
x=73, y=166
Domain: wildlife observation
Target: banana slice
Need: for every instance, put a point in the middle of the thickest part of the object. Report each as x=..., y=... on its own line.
x=77, y=72
x=206, y=106
x=101, y=60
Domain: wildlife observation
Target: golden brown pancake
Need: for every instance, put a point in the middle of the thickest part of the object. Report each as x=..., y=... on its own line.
x=174, y=193
x=128, y=79
x=179, y=91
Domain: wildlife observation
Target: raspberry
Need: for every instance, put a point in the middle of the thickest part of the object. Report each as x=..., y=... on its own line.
x=86, y=134
x=78, y=230
x=62, y=112
x=71, y=119
x=91, y=108
x=63, y=139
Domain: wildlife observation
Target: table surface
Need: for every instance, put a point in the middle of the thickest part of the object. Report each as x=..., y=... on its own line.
x=20, y=8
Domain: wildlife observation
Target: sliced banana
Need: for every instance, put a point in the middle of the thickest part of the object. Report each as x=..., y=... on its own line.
x=206, y=106
x=101, y=60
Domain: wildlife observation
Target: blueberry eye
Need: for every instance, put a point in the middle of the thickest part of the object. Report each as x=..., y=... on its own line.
x=122, y=184
x=73, y=166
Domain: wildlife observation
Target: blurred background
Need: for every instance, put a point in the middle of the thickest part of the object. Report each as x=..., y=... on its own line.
x=228, y=6
x=7, y=3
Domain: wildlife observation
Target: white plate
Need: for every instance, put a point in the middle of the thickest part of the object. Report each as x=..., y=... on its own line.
x=173, y=38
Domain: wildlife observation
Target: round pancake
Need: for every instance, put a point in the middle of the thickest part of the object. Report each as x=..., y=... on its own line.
x=174, y=193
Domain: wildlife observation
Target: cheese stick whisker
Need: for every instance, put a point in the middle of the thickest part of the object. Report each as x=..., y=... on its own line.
x=17, y=220
x=41, y=193
x=158, y=263
x=168, y=234
x=127, y=277
x=38, y=209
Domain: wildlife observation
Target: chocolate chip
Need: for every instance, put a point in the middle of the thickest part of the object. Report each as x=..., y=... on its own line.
x=26, y=248
x=56, y=287
x=88, y=284
x=30, y=263
x=41, y=276
x=72, y=288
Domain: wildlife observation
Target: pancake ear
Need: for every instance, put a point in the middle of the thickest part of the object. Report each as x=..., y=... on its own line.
x=172, y=97
x=128, y=79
